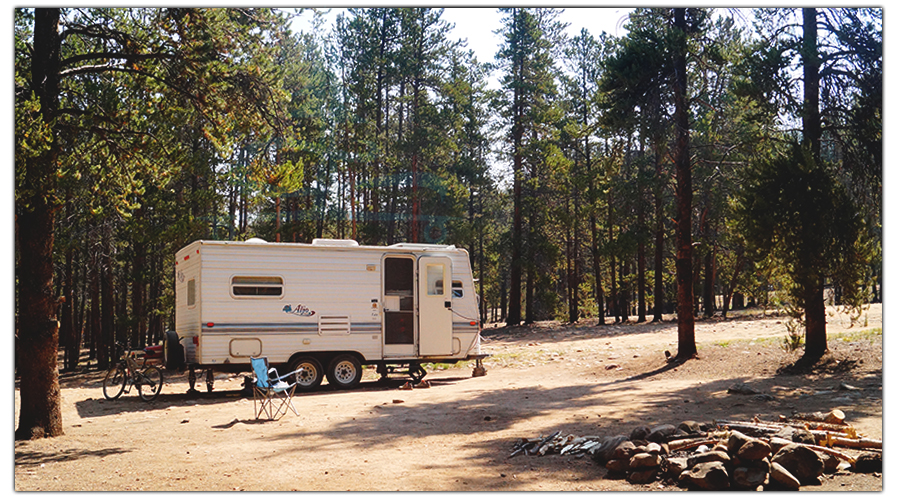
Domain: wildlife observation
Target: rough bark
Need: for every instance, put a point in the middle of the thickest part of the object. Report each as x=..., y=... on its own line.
x=683, y=191
x=37, y=327
x=514, y=314
x=658, y=295
x=598, y=278
x=814, y=296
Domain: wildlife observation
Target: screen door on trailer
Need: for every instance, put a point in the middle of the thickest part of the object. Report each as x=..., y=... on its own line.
x=435, y=302
x=399, y=308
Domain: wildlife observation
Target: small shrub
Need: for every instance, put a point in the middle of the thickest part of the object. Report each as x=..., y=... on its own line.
x=794, y=338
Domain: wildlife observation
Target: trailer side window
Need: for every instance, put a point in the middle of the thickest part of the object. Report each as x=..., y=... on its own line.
x=191, y=292
x=457, y=289
x=257, y=286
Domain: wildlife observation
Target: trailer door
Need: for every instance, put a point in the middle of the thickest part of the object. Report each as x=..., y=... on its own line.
x=399, y=281
x=435, y=302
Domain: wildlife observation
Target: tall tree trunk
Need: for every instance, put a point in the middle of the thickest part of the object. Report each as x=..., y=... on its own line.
x=687, y=347
x=576, y=264
x=642, y=282
x=137, y=289
x=613, y=289
x=814, y=305
x=392, y=209
x=380, y=129
x=503, y=296
x=732, y=283
x=278, y=218
x=415, y=216
x=812, y=125
x=351, y=183
x=625, y=289
x=120, y=298
x=37, y=328
x=481, y=277
x=80, y=309
x=154, y=328
x=514, y=313
x=598, y=278
x=642, y=248
x=529, y=294
x=531, y=268
x=67, y=326
x=709, y=283
x=108, y=313
x=572, y=261
x=232, y=210
x=96, y=328
x=658, y=294
x=814, y=302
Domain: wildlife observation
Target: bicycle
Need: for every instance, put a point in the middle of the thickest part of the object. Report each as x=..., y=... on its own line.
x=128, y=373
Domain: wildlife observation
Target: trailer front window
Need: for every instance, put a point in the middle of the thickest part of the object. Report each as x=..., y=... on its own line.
x=257, y=286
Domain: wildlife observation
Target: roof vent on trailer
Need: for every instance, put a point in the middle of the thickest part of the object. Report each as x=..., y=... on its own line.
x=325, y=242
x=256, y=240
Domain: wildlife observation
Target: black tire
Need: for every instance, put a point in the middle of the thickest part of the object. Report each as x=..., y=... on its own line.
x=309, y=374
x=344, y=371
x=210, y=380
x=151, y=382
x=174, y=352
x=114, y=382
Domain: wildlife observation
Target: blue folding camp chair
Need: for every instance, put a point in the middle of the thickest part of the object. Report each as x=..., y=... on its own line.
x=270, y=387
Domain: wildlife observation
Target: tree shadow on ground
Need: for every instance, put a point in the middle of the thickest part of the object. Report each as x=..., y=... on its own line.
x=550, y=332
x=36, y=458
x=494, y=413
x=132, y=403
x=563, y=331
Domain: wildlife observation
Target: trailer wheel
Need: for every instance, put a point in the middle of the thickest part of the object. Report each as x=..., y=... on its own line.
x=309, y=373
x=344, y=371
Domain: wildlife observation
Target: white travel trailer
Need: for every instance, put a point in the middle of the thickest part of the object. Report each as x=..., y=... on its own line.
x=325, y=309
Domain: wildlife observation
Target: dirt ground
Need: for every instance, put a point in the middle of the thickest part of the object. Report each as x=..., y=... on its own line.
x=457, y=435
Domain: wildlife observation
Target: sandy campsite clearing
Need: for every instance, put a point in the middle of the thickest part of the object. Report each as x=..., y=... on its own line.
x=457, y=435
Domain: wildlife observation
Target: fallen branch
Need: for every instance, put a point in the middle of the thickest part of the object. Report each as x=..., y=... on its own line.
x=821, y=436
x=832, y=417
x=692, y=443
x=534, y=446
x=755, y=429
x=523, y=446
x=822, y=426
x=544, y=445
x=858, y=443
x=767, y=427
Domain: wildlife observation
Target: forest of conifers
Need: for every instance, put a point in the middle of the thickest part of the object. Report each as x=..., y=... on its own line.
x=141, y=130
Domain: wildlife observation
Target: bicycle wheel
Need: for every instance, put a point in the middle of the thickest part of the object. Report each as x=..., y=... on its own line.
x=150, y=383
x=114, y=383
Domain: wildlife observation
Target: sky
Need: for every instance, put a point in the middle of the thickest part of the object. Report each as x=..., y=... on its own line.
x=478, y=24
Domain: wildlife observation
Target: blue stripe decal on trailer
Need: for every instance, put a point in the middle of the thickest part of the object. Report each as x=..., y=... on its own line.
x=282, y=328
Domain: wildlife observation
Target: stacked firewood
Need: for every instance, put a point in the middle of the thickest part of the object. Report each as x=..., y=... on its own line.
x=724, y=455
